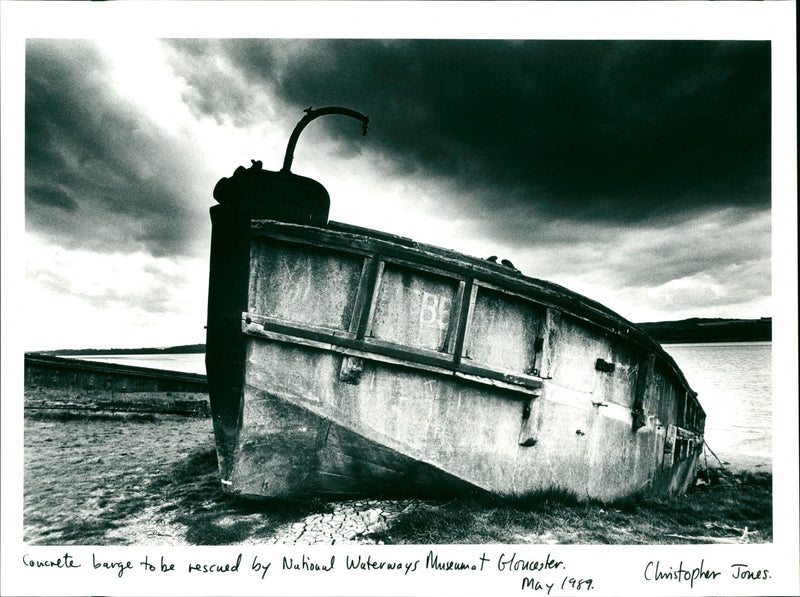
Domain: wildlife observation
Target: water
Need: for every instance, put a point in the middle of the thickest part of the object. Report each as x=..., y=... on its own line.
x=734, y=385
x=733, y=381
x=185, y=363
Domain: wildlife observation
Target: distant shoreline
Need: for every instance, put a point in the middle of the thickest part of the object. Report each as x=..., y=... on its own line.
x=686, y=331
x=709, y=330
x=183, y=349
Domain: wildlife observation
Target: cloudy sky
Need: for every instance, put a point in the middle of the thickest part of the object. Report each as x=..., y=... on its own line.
x=634, y=172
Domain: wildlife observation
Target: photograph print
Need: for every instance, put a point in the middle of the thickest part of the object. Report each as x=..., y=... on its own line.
x=390, y=291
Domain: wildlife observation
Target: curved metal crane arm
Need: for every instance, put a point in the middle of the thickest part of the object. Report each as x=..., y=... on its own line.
x=311, y=115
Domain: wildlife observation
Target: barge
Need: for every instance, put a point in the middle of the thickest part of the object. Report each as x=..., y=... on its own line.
x=344, y=361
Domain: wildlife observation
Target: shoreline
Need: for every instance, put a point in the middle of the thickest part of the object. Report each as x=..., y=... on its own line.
x=76, y=403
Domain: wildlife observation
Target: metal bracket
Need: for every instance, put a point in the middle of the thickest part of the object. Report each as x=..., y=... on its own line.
x=351, y=370
x=604, y=366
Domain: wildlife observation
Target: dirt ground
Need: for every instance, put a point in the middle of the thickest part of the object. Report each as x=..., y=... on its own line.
x=143, y=479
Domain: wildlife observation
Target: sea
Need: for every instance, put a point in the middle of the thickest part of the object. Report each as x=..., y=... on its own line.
x=733, y=381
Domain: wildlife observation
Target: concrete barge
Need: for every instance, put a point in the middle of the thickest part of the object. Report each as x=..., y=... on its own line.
x=345, y=361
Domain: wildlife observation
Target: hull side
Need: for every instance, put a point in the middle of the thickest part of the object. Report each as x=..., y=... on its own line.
x=417, y=432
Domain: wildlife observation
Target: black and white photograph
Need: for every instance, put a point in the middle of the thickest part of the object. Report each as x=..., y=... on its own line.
x=337, y=313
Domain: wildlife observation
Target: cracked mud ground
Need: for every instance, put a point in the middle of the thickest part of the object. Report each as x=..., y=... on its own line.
x=152, y=480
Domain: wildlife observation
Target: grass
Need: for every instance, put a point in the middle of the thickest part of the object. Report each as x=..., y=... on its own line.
x=191, y=490
x=732, y=508
x=74, y=415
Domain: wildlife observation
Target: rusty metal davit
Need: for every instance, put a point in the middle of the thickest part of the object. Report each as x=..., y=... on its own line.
x=345, y=361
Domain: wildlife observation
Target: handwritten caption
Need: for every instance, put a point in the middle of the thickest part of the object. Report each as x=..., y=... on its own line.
x=544, y=575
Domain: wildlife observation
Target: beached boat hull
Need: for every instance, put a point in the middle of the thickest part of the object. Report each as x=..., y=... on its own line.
x=348, y=362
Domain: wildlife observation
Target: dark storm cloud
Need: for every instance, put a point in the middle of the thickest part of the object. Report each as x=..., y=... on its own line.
x=98, y=173
x=215, y=90
x=597, y=130
x=724, y=257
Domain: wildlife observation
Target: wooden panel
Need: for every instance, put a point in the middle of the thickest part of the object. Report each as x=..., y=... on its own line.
x=502, y=332
x=304, y=285
x=413, y=309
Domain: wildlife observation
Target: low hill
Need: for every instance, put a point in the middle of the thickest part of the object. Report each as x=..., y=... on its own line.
x=709, y=330
x=184, y=349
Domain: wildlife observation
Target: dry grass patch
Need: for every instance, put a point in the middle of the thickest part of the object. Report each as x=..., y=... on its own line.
x=732, y=508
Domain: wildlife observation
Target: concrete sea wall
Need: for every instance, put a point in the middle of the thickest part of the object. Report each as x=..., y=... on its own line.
x=55, y=383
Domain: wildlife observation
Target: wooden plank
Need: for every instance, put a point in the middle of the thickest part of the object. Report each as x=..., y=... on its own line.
x=373, y=297
x=365, y=306
x=292, y=326
x=349, y=348
x=455, y=318
x=468, y=294
x=510, y=378
x=362, y=295
x=685, y=433
x=550, y=332
x=463, y=351
x=531, y=389
x=427, y=356
x=353, y=229
x=644, y=390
